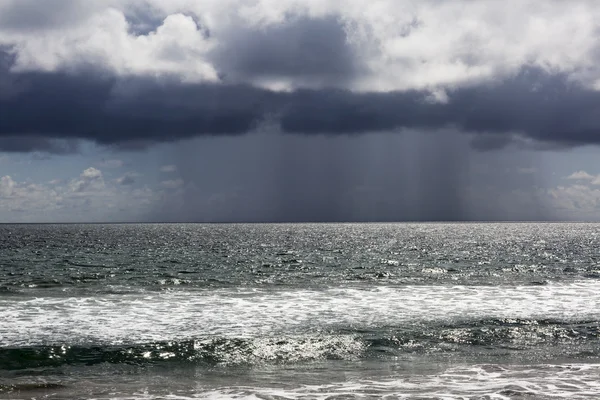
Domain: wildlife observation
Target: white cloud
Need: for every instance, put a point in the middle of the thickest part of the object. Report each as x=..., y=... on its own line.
x=579, y=200
x=90, y=180
x=431, y=43
x=127, y=179
x=24, y=196
x=177, y=47
x=402, y=44
x=85, y=198
x=584, y=176
x=91, y=173
x=580, y=176
x=576, y=201
x=168, y=168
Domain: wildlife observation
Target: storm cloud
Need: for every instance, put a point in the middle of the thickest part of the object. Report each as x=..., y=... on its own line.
x=303, y=110
x=109, y=110
x=314, y=52
x=133, y=73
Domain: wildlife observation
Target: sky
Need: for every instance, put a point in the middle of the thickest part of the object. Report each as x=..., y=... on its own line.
x=299, y=110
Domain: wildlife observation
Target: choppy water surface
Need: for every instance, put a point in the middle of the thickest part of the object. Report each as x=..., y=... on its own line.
x=181, y=311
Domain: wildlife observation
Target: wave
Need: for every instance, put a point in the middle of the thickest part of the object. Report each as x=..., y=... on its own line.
x=209, y=351
x=513, y=334
x=126, y=315
x=466, y=337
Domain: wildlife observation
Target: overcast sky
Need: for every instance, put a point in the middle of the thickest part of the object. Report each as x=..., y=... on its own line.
x=299, y=110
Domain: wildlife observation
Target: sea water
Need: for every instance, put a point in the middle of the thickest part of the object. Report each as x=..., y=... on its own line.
x=309, y=311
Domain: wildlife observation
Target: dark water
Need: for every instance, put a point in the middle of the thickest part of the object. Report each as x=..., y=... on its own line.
x=452, y=311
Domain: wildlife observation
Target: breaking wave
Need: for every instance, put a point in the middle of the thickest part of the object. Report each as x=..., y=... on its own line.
x=467, y=337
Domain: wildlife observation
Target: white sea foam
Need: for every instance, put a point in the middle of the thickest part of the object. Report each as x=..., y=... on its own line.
x=250, y=313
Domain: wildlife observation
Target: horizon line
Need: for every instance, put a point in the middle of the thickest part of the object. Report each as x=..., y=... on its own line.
x=304, y=222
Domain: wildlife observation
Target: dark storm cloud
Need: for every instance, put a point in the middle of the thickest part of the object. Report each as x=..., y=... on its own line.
x=136, y=112
x=538, y=106
x=130, y=113
x=301, y=48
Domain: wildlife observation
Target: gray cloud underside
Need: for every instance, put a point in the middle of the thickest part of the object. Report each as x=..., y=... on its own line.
x=310, y=50
x=38, y=107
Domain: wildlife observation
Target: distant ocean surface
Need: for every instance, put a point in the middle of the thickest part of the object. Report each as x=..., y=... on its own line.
x=300, y=311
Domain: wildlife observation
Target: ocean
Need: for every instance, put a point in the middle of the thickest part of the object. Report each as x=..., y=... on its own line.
x=300, y=311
